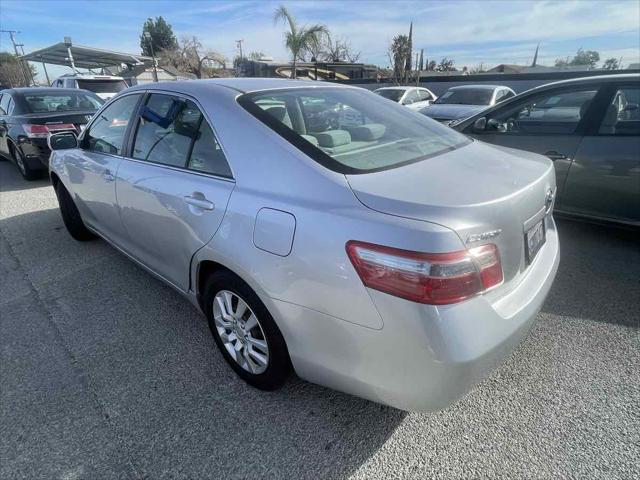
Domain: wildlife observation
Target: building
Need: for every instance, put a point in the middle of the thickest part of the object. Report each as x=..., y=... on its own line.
x=267, y=67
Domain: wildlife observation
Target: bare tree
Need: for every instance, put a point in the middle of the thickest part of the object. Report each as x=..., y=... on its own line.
x=192, y=57
x=340, y=50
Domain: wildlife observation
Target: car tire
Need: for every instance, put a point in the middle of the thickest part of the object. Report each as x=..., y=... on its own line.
x=223, y=284
x=71, y=216
x=23, y=167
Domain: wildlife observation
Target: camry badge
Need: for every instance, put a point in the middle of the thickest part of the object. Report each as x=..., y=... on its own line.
x=476, y=237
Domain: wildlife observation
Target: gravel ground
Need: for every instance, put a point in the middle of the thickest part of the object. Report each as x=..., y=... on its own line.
x=107, y=373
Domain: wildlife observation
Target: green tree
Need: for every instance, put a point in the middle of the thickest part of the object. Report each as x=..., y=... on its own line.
x=611, y=64
x=399, y=54
x=162, y=36
x=589, y=58
x=298, y=39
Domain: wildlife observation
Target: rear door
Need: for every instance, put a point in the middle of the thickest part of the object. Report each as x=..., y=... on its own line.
x=92, y=168
x=550, y=123
x=173, y=188
x=604, y=180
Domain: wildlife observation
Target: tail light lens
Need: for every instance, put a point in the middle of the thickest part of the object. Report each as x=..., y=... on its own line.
x=431, y=278
x=43, y=131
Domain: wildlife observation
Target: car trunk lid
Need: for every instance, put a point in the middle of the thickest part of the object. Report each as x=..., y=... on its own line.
x=485, y=193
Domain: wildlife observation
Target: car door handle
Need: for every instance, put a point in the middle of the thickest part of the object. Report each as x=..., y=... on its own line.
x=108, y=176
x=553, y=155
x=202, y=203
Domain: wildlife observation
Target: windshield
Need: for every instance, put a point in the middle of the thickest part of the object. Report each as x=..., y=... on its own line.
x=466, y=96
x=392, y=93
x=102, y=86
x=349, y=130
x=56, y=102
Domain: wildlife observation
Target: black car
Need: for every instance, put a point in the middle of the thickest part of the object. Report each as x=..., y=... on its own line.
x=29, y=115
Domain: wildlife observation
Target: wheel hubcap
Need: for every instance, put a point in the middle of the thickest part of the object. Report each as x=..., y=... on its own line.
x=240, y=332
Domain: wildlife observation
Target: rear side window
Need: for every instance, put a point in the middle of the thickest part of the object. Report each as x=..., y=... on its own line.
x=552, y=113
x=4, y=103
x=102, y=86
x=106, y=133
x=350, y=130
x=623, y=113
x=172, y=131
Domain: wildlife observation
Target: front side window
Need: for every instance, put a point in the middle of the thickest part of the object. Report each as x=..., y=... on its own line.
x=623, y=113
x=411, y=97
x=547, y=113
x=4, y=103
x=106, y=133
x=57, y=102
x=466, y=96
x=348, y=130
x=172, y=131
x=424, y=95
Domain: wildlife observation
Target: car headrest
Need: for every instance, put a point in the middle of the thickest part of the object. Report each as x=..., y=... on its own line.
x=277, y=112
x=333, y=138
x=368, y=132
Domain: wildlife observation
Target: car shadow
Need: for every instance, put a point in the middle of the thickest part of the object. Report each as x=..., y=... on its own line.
x=599, y=274
x=160, y=382
x=11, y=180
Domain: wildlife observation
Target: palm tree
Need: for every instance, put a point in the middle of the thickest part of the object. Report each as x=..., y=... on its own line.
x=298, y=39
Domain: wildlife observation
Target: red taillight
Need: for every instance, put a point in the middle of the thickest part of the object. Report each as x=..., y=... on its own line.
x=43, y=131
x=432, y=278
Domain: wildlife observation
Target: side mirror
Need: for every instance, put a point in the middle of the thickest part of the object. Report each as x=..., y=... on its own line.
x=62, y=141
x=480, y=124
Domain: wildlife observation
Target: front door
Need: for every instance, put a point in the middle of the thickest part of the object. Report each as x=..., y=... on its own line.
x=92, y=168
x=604, y=180
x=174, y=191
x=547, y=123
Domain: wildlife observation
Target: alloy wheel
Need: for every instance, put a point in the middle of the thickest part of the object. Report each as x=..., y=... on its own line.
x=240, y=332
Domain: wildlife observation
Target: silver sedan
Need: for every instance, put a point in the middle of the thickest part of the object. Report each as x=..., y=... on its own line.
x=321, y=229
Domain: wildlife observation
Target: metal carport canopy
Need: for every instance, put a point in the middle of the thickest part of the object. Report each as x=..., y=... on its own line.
x=84, y=57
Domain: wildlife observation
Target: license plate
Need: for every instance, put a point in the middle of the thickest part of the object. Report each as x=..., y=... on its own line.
x=534, y=238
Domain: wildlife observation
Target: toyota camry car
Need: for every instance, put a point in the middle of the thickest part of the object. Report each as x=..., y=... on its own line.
x=463, y=101
x=29, y=115
x=375, y=252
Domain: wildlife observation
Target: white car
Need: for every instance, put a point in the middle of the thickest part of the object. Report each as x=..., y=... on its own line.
x=413, y=97
x=105, y=86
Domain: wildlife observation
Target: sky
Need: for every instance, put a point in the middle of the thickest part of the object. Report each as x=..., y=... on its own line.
x=469, y=31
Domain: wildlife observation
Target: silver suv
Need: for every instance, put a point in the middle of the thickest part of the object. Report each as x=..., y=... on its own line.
x=105, y=86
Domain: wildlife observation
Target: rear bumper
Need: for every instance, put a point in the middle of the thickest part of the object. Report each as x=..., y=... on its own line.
x=36, y=153
x=425, y=357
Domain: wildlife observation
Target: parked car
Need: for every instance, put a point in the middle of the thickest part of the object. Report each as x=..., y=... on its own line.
x=465, y=100
x=413, y=97
x=590, y=128
x=396, y=259
x=29, y=115
x=105, y=86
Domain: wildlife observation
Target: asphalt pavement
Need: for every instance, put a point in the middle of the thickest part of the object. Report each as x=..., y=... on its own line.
x=107, y=373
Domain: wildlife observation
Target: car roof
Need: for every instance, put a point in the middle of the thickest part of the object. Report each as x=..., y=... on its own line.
x=45, y=90
x=478, y=87
x=241, y=85
x=399, y=87
x=594, y=79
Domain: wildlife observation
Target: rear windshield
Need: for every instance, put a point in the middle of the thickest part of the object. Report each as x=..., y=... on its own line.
x=102, y=86
x=351, y=130
x=466, y=96
x=391, y=94
x=55, y=102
